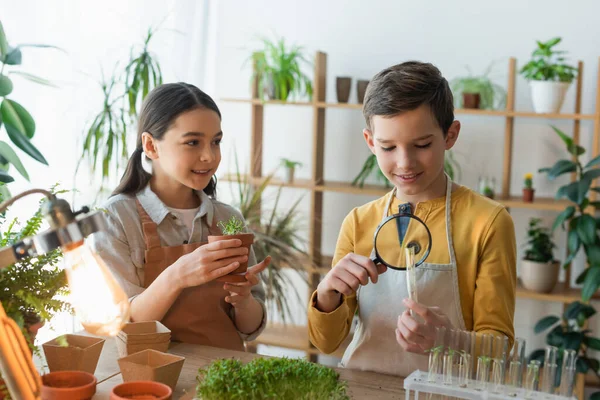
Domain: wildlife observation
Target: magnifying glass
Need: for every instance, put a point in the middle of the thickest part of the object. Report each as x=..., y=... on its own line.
x=402, y=242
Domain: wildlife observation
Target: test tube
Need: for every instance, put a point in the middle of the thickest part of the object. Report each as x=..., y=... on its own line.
x=515, y=366
x=567, y=381
x=435, y=353
x=483, y=361
x=411, y=275
x=549, y=372
x=532, y=378
x=450, y=356
x=464, y=361
x=499, y=350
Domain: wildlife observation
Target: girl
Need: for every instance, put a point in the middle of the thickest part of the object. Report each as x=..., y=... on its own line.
x=159, y=218
x=468, y=280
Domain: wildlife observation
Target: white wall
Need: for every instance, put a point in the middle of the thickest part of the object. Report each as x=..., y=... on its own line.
x=360, y=38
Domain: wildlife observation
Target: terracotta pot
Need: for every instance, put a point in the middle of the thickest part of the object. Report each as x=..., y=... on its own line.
x=141, y=390
x=528, y=195
x=342, y=86
x=68, y=385
x=152, y=365
x=471, y=100
x=138, y=336
x=361, y=89
x=539, y=277
x=237, y=275
x=80, y=354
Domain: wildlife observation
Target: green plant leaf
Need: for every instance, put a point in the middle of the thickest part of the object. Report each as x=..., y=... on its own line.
x=3, y=42
x=538, y=354
x=5, y=177
x=565, y=138
x=34, y=78
x=573, y=310
x=592, y=163
x=595, y=396
x=576, y=150
x=561, y=167
x=24, y=144
x=14, y=56
x=6, y=86
x=556, y=336
x=576, y=191
x=573, y=242
x=591, y=174
x=586, y=229
x=9, y=154
x=18, y=117
x=545, y=323
x=566, y=214
x=591, y=284
x=573, y=340
x=592, y=342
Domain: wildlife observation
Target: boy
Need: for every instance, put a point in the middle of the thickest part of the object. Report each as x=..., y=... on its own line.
x=468, y=280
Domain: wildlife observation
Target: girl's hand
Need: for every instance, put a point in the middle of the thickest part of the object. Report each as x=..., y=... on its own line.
x=417, y=337
x=209, y=262
x=240, y=295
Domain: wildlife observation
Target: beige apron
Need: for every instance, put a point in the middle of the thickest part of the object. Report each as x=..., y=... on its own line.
x=200, y=314
x=374, y=346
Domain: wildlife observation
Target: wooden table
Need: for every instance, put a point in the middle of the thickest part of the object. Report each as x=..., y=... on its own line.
x=362, y=385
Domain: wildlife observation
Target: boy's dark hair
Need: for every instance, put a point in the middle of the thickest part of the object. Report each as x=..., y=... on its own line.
x=160, y=109
x=405, y=87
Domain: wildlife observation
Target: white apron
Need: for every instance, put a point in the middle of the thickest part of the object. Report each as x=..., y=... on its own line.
x=374, y=346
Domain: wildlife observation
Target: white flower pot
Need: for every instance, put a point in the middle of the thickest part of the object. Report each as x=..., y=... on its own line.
x=289, y=175
x=548, y=96
x=539, y=277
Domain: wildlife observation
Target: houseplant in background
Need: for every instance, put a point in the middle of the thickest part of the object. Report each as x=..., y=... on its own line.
x=16, y=120
x=528, y=190
x=578, y=217
x=105, y=139
x=539, y=269
x=478, y=91
x=276, y=234
x=289, y=168
x=570, y=333
x=278, y=71
x=549, y=76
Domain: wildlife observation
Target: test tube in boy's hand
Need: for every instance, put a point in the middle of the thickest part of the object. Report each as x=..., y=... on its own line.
x=411, y=276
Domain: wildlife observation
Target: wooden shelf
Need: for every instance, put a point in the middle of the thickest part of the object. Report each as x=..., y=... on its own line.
x=540, y=203
x=293, y=337
x=267, y=102
x=560, y=294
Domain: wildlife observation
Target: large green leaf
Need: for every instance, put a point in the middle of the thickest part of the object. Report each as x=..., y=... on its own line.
x=581, y=278
x=586, y=229
x=591, y=174
x=576, y=191
x=6, y=86
x=16, y=115
x=9, y=154
x=3, y=42
x=593, y=162
x=563, y=216
x=573, y=241
x=561, y=167
x=592, y=342
x=545, y=323
x=14, y=56
x=572, y=340
x=565, y=138
x=24, y=144
x=591, y=284
x=5, y=177
x=573, y=310
x=593, y=254
x=576, y=150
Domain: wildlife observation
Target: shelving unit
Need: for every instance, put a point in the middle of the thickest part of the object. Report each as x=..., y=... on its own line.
x=297, y=336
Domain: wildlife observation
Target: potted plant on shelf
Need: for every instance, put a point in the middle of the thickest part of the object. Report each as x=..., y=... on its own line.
x=570, y=333
x=278, y=71
x=578, y=216
x=528, y=190
x=487, y=186
x=549, y=76
x=370, y=165
x=234, y=228
x=539, y=269
x=290, y=168
x=480, y=92
x=268, y=378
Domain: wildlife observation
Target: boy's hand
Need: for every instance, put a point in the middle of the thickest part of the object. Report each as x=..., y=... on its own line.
x=240, y=294
x=417, y=337
x=346, y=277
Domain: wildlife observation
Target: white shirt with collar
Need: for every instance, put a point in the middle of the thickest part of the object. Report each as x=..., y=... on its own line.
x=122, y=245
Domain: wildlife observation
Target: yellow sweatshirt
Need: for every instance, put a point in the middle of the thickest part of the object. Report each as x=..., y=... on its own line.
x=484, y=242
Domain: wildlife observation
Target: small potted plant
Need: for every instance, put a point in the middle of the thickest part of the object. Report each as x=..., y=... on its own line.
x=486, y=186
x=549, y=76
x=539, y=269
x=480, y=92
x=290, y=169
x=269, y=378
x=528, y=190
x=234, y=228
